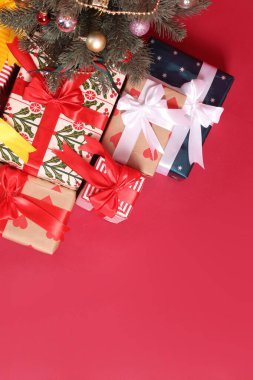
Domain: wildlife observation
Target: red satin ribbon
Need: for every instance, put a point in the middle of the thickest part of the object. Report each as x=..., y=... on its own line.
x=67, y=100
x=113, y=185
x=51, y=218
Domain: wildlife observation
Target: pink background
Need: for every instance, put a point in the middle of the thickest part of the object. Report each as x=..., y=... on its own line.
x=168, y=294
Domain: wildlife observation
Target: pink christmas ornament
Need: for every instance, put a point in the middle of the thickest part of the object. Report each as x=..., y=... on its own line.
x=66, y=23
x=139, y=28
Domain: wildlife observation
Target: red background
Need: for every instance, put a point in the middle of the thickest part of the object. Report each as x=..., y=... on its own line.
x=168, y=294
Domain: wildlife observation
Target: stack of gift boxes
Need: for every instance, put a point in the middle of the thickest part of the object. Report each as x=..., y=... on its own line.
x=49, y=142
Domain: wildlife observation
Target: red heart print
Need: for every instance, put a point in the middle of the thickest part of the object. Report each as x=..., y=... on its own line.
x=115, y=139
x=172, y=103
x=148, y=154
x=116, y=112
x=135, y=93
x=47, y=199
x=57, y=188
x=20, y=222
x=50, y=236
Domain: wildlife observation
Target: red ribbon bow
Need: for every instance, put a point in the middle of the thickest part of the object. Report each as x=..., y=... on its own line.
x=12, y=201
x=112, y=186
x=68, y=100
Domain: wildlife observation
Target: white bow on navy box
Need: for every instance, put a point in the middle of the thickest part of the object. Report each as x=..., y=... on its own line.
x=198, y=114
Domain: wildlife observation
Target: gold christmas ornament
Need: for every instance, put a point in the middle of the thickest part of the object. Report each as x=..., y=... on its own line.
x=96, y=42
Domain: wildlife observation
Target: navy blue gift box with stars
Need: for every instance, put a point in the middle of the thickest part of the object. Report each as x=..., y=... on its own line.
x=176, y=68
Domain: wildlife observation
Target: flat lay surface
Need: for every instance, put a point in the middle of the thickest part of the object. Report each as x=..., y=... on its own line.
x=168, y=294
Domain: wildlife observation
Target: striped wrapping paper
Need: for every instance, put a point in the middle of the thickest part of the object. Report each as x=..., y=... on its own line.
x=5, y=74
x=124, y=208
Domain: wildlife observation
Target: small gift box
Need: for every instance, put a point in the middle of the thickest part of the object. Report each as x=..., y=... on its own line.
x=33, y=212
x=5, y=74
x=205, y=88
x=7, y=77
x=8, y=69
x=111, y=189
x=48, y=120
x=141, y=124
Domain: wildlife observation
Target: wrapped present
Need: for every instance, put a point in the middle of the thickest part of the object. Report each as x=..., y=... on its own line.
x=141, y=124
x=206, y=88
x=47, y=120
x=5, y=75
x=111, y=189
x=33, y=212
x=8, y=75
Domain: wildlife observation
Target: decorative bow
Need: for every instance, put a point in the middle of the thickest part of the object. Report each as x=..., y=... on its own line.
x=68, y=99
x=200, y=114
x=12, y=201
x=112, y=186
x=6, y=36
x=139, y=114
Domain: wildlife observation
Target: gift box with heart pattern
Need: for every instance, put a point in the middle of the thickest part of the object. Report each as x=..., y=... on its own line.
x=141, y=157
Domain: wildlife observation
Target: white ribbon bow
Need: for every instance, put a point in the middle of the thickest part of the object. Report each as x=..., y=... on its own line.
x=138, y=116
x=200, y=114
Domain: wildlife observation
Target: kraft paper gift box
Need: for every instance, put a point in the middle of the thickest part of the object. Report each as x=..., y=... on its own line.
x=111, y=189
x=206, y=86
x=133, y=137
x=33, y=212
x=48, y=120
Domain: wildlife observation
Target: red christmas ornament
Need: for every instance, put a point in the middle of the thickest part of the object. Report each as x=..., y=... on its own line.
x=43, y=18
x=127, y=57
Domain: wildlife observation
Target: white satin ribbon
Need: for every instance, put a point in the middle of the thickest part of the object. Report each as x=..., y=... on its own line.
x=198, y=114
x=139, y=115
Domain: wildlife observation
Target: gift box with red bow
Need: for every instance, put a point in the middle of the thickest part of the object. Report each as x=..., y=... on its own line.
x=111, y=189
x=47, y=120
x=142, y=123
x=33, y=212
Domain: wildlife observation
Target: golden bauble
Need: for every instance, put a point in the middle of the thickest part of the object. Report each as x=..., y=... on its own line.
x=96, y=42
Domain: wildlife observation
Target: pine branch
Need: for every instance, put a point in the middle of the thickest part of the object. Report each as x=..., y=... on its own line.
x=69, y=49
x=197, y=8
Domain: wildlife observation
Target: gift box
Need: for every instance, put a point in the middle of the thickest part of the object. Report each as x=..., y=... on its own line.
x=111, y=189
x=124, y=206
x=141, y=124
x=206, y=88
x=48, y=120
x=5, y=74
x=8, y=75
x=33, y=212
